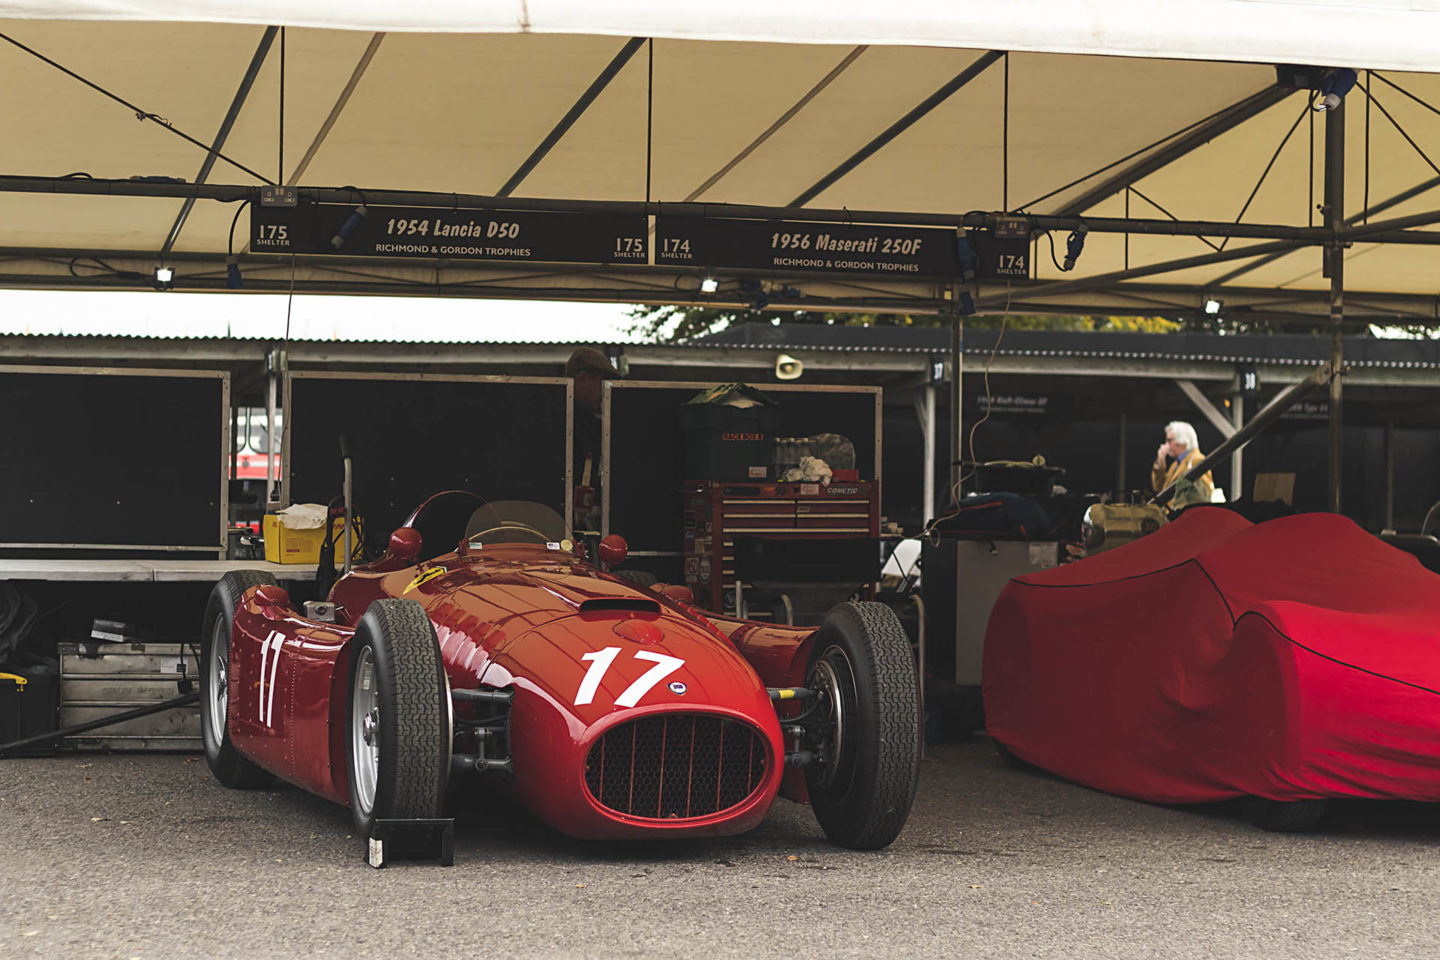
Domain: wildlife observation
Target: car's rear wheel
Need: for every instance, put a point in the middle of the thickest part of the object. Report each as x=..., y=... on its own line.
x=399, y=726
x=225, y=762
x=863, y=782
x=1282, y=816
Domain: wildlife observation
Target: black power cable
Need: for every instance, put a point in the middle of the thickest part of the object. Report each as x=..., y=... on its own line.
x=1074, y=246
x=233, y=280
x=39, y=739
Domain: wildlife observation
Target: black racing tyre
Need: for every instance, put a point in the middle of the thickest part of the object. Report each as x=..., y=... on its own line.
x=864, y=782
x=643, y=578
x=398, y=727
x=1282, y=816
x=226, y=764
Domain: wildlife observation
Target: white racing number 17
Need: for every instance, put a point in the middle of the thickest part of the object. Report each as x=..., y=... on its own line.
x=600, y=662
x=269, y=656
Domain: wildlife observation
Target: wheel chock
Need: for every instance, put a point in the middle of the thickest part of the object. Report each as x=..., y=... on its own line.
x=410, y=840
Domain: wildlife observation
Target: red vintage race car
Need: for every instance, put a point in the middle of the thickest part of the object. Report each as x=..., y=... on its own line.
x=1285, y=662
x=484, y=642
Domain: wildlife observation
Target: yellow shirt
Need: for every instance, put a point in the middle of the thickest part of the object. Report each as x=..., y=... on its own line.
x=1160, y=478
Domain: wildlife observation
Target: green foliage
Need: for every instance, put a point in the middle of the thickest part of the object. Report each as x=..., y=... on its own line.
x=672, y=324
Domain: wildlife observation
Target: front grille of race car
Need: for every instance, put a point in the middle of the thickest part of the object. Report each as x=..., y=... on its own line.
x=676, y=766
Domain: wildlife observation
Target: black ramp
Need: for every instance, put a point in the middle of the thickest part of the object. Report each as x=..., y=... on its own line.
x=111, y=459
x=647, y=450
x=503, y=440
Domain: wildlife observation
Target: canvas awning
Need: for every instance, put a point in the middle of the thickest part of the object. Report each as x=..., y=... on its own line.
x=1139, y=110
x=1388, y=34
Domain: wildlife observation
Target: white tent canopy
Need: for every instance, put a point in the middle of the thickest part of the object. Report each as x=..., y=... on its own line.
x=738, y=103
x=1378, y=34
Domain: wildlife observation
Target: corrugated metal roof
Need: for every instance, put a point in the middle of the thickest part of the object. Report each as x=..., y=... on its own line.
x=1272, y=349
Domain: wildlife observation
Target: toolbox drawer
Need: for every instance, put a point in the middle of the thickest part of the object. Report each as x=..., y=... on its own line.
x=99, y=679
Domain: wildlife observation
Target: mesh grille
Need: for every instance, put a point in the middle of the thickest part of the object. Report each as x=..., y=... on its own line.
x=677, y=765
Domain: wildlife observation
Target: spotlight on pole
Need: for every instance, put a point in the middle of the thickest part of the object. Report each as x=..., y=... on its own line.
x=1333, y=88
x=164, y=276
x=709, y=285
x=1213, y=307
x=233, y=280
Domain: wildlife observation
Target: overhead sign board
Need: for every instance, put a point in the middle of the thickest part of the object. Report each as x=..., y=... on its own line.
x=1000, y=256
x=1018, y=403
x=440, y=233
x=727, y=244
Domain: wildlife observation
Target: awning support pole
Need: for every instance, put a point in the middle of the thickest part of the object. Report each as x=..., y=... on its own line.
x=957, y=430
x=1222, y=122
x=1120, y=458
x=977, y=67
x=927, y=428
x=272, y=449
x=226, y=125
x=1389, y=474
x=1237, y=461
x=1335, y=263
x=1362, y=217
x=597, y=87
x=1395, y=230
x=1203, y=404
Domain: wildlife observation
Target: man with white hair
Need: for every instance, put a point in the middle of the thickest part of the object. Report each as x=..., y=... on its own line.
x=1180, y=452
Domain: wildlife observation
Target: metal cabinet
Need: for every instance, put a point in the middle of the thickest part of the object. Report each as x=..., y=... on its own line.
x=101, y=679
x=982, y=568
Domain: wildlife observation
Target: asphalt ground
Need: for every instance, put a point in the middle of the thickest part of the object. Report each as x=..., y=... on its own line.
x=144, y=856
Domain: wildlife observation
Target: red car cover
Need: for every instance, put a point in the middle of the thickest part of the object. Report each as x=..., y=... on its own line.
x=1215, y=658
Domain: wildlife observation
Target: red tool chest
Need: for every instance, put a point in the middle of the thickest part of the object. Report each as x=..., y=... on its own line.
x=718, y=515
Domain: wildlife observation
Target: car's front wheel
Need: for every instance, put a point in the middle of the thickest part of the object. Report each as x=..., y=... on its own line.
x=399, y=725
x=867, y=725
x=225, y=762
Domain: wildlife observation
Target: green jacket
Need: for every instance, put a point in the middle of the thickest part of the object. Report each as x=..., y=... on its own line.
x=1186, y=494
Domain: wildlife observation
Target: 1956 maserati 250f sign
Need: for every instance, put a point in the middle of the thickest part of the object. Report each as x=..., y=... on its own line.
x=615, y=710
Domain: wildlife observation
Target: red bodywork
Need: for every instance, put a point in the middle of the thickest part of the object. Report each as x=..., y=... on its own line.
x=1294, y=659
x=509, y=617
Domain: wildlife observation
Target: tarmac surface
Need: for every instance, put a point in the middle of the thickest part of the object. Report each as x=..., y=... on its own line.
x=145, y=856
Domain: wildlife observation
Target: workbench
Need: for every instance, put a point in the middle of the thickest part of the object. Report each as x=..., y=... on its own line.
x=145, y=571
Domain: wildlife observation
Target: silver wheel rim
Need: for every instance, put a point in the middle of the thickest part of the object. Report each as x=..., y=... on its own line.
x=365, y=731
x=823, y=677
x=219, y=679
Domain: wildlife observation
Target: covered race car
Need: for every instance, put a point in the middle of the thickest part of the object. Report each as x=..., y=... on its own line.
x=483, y=641
x=1288, y=662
